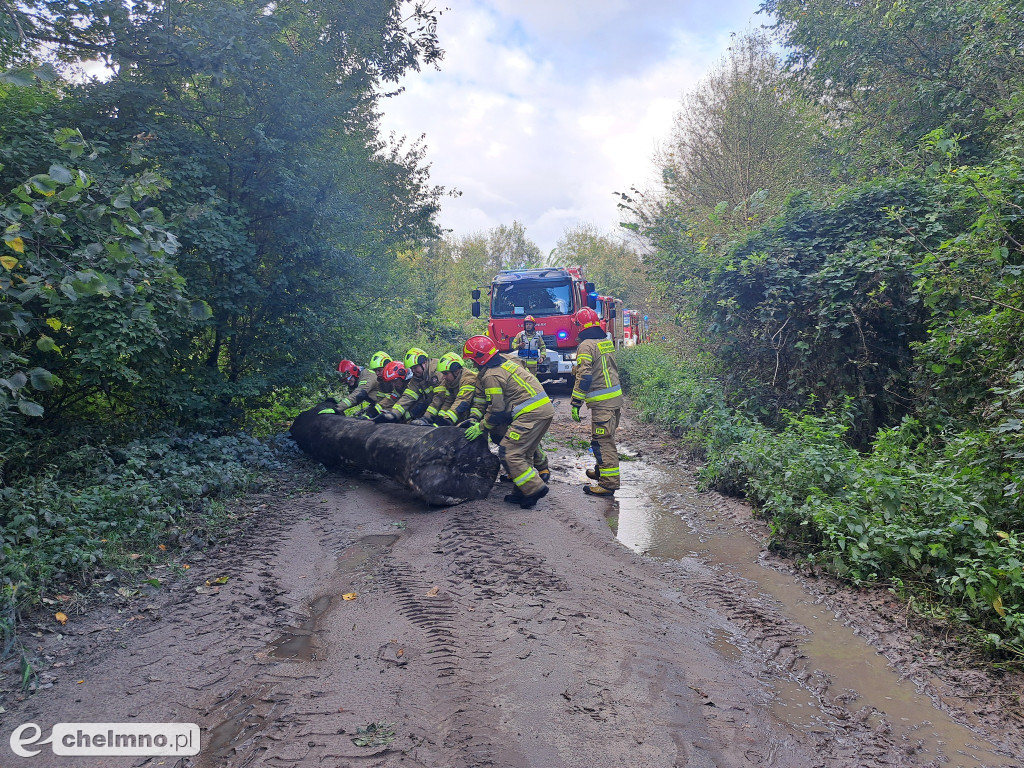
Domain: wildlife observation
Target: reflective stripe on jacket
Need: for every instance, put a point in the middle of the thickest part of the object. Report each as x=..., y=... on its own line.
x=597, y=376
x=511, y=392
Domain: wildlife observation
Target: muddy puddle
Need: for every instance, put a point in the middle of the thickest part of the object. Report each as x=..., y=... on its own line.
x=302, y=643
x=660, y=514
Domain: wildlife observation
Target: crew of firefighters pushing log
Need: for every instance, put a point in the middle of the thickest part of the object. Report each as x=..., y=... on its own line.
x=488, y=393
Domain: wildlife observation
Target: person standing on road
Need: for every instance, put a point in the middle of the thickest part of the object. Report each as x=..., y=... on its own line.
x=597, y=385
x=530, y=344
x=514, y=397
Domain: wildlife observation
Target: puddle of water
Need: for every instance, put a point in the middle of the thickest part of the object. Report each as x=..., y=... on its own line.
x=644, y=519
x=241, y=717
x=300, y=643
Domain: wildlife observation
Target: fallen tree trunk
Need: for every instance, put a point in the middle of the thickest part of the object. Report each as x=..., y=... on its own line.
x=437, y=463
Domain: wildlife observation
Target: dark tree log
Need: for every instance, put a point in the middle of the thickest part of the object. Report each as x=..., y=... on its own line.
x=437, y=463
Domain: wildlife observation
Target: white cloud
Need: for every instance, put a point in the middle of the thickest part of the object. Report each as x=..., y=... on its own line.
x=543, y=109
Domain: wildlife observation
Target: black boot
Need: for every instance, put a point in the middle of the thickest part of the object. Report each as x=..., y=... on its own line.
x=525, y=502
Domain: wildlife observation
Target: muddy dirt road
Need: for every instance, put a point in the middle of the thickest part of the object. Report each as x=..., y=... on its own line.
x=646, y=631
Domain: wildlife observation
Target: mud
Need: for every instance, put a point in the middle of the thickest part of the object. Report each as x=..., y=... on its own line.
x=653, y=630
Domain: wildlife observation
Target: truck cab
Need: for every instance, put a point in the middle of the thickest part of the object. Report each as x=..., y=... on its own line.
x=552, y=295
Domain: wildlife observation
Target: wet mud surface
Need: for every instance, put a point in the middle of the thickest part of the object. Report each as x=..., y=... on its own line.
x=359, y=627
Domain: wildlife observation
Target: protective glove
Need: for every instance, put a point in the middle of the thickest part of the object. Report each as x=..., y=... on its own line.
x=473, y=431
x=325, y=410
x=576, y=410
x=352, y=411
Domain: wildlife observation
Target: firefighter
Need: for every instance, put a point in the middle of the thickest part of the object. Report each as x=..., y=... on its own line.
x=465, y=398
x=351, y=375
x=597, y=385
x=419, y=391
x=395, y=376
x=513, y=397
x=530, y=343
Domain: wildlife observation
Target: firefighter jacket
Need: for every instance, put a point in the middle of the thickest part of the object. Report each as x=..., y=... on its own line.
x=530, y=342
x=366, y=389
x=512, y=392
x=465, y=398
x=420, y=390
x=597, y=376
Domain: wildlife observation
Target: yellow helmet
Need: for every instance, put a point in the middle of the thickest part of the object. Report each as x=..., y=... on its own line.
x=415, y=356
x=379, y=360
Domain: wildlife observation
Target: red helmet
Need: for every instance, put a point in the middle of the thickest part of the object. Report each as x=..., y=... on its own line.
x=587, y=318
x=479, y=349
x=394, y=371
x=347, y=368
x=529, y=319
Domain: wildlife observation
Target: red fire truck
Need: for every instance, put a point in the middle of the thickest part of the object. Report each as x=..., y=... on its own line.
x=552, y=295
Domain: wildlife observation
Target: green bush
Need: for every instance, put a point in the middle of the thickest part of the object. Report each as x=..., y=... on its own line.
x=939, y=509
x=102, y=502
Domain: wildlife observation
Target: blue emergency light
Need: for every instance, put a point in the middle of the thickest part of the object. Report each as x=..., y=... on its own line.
x=563, y=335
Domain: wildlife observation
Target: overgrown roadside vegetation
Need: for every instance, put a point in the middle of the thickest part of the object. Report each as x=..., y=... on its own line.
x=926, y=513
x=838, y=238
x=102, y=508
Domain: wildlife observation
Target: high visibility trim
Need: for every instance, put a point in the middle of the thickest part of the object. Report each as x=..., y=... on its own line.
x=467, y=390
x=526, y=477
x=492, y=391
x=532, y=404
x=605, y=346
x=450, y=415
x=432, y=411
x=604, y=394
x=399, y=410
x=584, y=357
x=610, y=472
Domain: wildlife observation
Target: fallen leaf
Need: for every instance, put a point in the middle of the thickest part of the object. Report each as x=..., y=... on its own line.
x=162, y=547
x=81, y=681
x=61, y=617
x=349, y=596
x=401, y=652
x=207, y=590
x=185, y=567
x=134, y=556
x=219, y=580
x=62, y=597
x=432, y=592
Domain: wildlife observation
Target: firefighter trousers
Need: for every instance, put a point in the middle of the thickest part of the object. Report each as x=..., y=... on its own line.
x=521, y=454
x=603, y=422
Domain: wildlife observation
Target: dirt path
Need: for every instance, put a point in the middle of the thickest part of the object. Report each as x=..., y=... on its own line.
x=483, y=635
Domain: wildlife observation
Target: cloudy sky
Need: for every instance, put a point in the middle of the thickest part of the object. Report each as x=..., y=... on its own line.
x=542, y=109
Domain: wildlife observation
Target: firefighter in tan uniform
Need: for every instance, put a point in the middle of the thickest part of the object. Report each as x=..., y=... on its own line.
x=465, y=398
x=597, y=385
x=514, y=397
x=394, y=378
x=419, y=391
x=530, y=344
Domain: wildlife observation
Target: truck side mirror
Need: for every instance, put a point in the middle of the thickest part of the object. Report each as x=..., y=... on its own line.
x=476, y=294
x=592, y=301
x=476, y=307
x=613, y=314
x=590, y=288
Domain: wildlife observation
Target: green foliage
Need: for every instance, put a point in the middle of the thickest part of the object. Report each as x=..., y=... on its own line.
x=612, y=265
x=101, y=502
x=90, y=300
x=891, y=72
x=937, y=509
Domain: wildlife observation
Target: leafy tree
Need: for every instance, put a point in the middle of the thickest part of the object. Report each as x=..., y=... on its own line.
x=891, y=72
x=612, y=265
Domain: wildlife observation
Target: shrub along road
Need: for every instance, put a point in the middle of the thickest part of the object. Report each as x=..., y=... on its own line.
x=352, y=625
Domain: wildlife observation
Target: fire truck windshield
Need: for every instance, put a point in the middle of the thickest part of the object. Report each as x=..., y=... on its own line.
x=532, y=297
